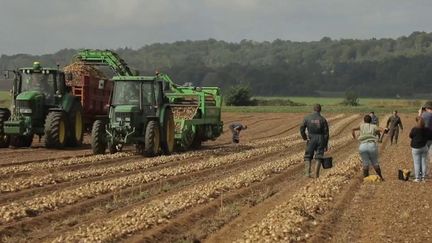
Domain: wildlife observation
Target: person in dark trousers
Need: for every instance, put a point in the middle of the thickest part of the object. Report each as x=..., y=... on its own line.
x=419, y=137
x=375, y=121
x=317, y=137
x=368, y=148
x=235, y=130
x=393, y=125
x=426, y=113
x=374, y=118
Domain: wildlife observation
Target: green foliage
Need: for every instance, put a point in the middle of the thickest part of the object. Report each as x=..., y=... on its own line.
x=351, y=98
x=277, y=102
x=239, y=95
x=374, y=67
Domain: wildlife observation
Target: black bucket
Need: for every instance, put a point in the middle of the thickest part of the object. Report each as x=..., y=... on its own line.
x=327, y=162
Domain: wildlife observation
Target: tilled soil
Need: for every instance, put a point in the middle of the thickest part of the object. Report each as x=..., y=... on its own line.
x=221, y=193
x=390, y=211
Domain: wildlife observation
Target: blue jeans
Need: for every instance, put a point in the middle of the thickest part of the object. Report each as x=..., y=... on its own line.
x=420, y=161
x=369, y=154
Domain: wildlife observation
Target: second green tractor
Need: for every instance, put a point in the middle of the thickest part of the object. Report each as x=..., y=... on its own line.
x=41, y=105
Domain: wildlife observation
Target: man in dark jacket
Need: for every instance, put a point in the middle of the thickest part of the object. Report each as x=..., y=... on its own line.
x=393, y=125
x=317, y=137
x=235, y=130
x=375, y=119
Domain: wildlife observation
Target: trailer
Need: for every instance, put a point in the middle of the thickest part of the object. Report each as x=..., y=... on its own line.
x=94, y=94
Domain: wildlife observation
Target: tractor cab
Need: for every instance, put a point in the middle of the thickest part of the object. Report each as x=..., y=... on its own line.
x=42, y=105
x=139, y=114
x=47, y=82
x=135, y=101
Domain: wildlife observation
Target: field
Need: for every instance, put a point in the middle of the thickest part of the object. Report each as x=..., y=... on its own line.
x=251, y=192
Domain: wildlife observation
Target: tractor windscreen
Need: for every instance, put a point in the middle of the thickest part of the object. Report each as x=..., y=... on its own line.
x=127, y=93
x=38, y=82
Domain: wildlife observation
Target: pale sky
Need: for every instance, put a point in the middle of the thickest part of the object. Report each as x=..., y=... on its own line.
x=46, y=26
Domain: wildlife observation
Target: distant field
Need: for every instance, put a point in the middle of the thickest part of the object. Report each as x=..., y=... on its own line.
x=333, y=105
x=333, y=101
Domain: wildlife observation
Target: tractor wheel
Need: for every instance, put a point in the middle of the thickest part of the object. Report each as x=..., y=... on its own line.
x=76, y=122
x=98, y=137
x=168, y=133
x=19, y=141
x=152, y=139
x=55, y=130
x=197, y=141
x=4, y=138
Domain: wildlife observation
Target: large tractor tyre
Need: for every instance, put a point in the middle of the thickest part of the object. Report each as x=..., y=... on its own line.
x=76, y=133
x=168, y=133
x=19, y=141
x=197, y=140
x=55, y=130
x=4, y=138
x=152, y=139
x=98, y=137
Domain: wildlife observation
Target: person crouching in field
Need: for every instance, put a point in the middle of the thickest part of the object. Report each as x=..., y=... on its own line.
x=419, y=137
x=368, y=148
x=235, y=130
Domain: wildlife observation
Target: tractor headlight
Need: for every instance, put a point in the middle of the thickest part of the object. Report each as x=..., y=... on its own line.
x=25, y=110
x=127, y=119
x=118, y=119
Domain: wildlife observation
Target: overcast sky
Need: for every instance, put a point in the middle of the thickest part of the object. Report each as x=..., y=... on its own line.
x=46, y=26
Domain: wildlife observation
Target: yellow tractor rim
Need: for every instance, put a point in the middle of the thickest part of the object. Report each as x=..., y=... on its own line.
x=62, y=132
x=78, y=125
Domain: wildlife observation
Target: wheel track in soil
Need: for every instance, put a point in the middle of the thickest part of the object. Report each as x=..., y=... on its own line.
x=204, y=173
x=301, y=153
x=192, y=223
x=119, y=214
x=320, y=231
x=185, y=181
x=6, y=198
x=98, y=173
x=182, y=227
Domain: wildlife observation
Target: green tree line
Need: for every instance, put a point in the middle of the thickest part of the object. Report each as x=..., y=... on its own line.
x=374, y=68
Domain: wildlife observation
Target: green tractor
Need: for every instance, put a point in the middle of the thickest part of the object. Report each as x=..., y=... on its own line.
x=41, y=105
x=139, y=114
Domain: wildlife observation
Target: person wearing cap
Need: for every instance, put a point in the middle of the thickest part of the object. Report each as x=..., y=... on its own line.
x=317, y=137
x=235, y=130
x=393, y=124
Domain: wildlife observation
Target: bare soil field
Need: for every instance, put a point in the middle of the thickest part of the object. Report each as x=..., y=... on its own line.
x=254, y=191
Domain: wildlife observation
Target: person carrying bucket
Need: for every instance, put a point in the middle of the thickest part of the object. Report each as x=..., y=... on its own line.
x=316, y=139
x=368, y=148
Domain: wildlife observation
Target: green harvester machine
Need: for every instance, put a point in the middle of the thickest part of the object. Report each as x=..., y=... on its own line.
x=152, y=112
x=41, y=105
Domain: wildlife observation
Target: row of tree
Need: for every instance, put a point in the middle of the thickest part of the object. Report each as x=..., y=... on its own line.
x=375, y=67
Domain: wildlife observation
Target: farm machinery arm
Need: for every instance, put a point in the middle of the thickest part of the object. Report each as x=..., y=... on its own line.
x=197, y=112
x=105, y=57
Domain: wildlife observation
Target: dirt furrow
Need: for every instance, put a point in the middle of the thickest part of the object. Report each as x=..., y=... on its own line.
x=42, y=180
x=285, y=222
x=158, y=211
x=204, y=220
